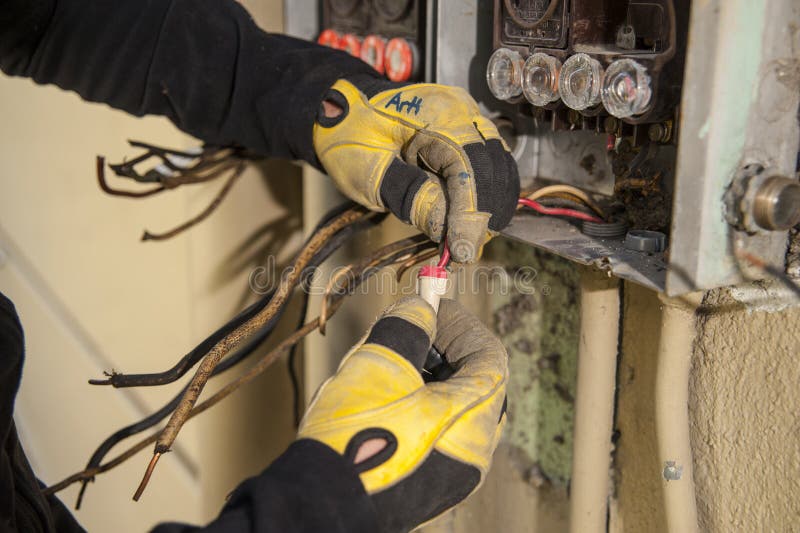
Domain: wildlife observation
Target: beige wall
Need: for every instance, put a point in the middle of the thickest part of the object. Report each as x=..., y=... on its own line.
x=743, y=408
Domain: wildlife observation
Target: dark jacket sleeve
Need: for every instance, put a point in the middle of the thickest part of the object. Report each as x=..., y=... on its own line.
x=202, y=63
x=309, y=489
x=23, y=507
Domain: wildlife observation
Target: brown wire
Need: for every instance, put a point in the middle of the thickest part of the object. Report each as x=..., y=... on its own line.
x=101, y=180
x=146, y=478
x=257, y=369
x=368, y=262
x=201, y=173
x=233, y=339
x=415, y=260
x=512, y=12
x=220, y=395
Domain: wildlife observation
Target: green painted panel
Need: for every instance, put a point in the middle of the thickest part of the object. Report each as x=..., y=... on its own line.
x=538, y=321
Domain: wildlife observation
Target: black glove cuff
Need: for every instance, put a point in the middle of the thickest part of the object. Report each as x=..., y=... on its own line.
x=317, y=484
x=436, y=486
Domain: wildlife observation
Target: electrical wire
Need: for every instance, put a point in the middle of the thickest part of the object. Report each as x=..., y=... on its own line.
x=571, y=192
x=444, y=260
x=170, y=375
x=559, y=211
x=291, y=365
x=89, y=473
x=233, y=340
x=190, y=359
x=205, y=213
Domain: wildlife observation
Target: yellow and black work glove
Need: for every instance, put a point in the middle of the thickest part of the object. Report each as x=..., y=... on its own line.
x=377, y=148
x=428, y=446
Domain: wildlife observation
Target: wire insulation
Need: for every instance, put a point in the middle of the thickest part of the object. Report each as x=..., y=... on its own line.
x=570, y=191
x=559, y=211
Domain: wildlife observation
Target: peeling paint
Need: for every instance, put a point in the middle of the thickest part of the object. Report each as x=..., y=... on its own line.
x=540, y=331
x=768, y=296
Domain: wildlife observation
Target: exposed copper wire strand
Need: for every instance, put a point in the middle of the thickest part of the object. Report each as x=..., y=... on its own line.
x=250, y=375
x=232, y=340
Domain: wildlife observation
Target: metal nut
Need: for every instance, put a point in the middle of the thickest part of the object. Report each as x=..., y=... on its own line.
x=645, y=241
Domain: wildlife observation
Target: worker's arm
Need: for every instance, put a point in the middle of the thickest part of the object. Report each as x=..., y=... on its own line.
x=202, y=63
x=208, y=67
x=308, y=489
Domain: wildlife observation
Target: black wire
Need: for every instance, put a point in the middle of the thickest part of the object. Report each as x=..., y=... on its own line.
x=195, y=355
x=292, y=362
x=333, y=244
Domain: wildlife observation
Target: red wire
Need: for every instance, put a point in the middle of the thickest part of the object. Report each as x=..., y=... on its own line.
x=559, y=211
x=445, y=258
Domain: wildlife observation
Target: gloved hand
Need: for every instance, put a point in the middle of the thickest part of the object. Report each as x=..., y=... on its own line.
x=419, y=448
x=386, y=132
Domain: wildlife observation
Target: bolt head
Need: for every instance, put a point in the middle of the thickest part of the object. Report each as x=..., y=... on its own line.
x=777, y=204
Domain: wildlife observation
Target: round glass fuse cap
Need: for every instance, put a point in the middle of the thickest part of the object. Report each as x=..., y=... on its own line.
x=580, y=82
x=540, y=79
x=372, y=51
x=504, y=73
x=626, y=88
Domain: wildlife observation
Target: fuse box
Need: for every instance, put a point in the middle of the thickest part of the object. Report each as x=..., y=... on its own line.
x=679, y=117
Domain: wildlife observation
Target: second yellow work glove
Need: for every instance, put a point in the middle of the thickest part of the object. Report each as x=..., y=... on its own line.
x=377, y=148
x=434, y=441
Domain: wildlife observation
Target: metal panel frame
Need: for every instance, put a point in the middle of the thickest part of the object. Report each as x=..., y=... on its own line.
x=739, y=106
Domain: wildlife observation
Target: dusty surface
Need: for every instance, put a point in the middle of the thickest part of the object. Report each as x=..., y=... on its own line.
x=636, y=506
x=526, y=489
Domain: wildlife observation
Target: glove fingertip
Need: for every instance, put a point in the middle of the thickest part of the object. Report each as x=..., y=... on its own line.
x=466, y=235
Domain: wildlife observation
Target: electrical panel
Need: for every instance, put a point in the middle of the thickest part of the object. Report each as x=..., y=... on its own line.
x=678, y=117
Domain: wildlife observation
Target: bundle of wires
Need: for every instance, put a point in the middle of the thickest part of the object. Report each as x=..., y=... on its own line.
x=566, y=192
x=252, y=344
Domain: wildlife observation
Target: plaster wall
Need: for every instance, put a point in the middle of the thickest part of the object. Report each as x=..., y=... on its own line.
x=743, y=408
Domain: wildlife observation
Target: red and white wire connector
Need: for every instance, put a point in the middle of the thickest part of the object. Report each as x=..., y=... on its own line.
x=432, y=280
